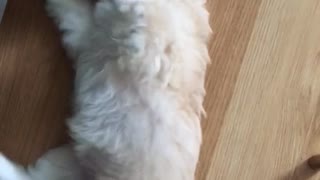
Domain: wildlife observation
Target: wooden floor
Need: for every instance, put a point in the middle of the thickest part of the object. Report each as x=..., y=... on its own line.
x=263, y=88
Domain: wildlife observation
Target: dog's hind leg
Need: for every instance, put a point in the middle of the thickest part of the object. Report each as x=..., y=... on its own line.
x=58, y=164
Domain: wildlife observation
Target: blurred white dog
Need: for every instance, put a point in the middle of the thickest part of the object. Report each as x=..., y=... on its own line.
x=139, y=88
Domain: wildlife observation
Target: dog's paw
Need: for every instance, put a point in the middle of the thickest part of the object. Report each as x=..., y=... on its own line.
x=130, y=9
x=125, y=21
x=129, y=5
x=56, y=7
x=60, y=9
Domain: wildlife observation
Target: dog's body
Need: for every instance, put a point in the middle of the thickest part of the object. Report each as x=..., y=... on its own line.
x=140, y=70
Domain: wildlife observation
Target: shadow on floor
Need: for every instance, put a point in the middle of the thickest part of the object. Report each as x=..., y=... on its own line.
x=301, y=172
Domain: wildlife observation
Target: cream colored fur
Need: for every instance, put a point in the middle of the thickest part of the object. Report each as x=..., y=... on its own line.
x=140, y=71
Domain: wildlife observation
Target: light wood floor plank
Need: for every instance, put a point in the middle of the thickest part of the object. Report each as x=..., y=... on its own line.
x=232, y=22
x=272, y=123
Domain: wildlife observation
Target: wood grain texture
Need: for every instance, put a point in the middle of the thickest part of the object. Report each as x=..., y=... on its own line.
x=35, y=82
x=231, y=36
x=272, y=122
x=263, y=88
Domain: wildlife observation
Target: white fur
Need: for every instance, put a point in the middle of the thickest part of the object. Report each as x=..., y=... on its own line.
x=10, y=171
x=139, y=87
x=58, y=164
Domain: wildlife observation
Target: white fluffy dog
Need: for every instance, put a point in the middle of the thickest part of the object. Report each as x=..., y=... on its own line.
x=139, y=88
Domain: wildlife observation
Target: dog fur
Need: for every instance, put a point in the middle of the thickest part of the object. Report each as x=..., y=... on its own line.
x=139, y=87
